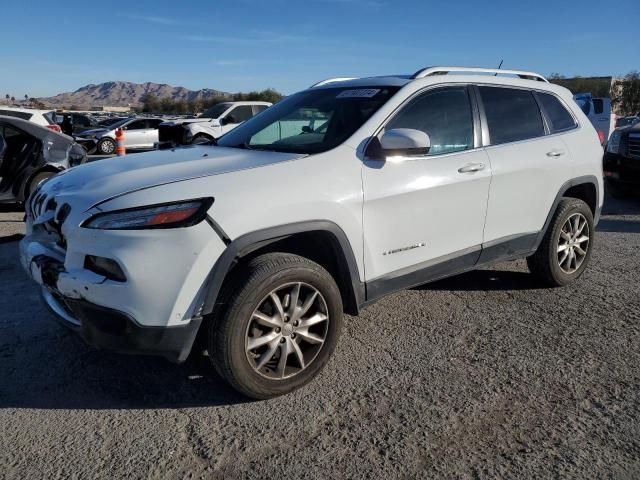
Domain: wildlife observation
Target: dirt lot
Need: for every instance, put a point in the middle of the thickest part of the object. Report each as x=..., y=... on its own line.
x=482, y=376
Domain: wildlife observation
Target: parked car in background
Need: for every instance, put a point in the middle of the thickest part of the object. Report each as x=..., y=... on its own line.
x=45, y=118
x=621, y=162
x=107, y=122
x=326, y=202
x=213, y=123
x=599, y=113
x=80, y=121
x=31, y=154
x=139, y=133
x=627, y=121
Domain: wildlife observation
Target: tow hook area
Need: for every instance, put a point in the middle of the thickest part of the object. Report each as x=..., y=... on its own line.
x=49, y=269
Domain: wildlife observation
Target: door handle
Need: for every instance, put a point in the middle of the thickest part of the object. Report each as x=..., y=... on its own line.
x=555, y=153
x=471, y=168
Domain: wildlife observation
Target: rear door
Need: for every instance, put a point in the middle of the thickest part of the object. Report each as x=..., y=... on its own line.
x=529, y=164
x=135, y=134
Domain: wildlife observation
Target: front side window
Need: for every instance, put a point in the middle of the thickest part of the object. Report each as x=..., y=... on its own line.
x=240, y=114
x=216, y=110
x=512, y=114
x=312, y=121
x=443, y=114
x=560, y=118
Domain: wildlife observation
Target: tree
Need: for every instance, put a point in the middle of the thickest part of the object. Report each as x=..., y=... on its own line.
x=26, y=97
x=626, y=94
x=150, y=103
x=13, y=99
x=7, y=97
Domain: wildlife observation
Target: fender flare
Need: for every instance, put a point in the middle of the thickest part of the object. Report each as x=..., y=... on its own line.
x=252, y=241
x=585, y=179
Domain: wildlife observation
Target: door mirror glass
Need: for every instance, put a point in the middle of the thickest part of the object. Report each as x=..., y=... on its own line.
x=405, y=141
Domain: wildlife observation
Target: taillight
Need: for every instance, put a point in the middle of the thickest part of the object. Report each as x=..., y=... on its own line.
x=55, y=128
x=601, y=137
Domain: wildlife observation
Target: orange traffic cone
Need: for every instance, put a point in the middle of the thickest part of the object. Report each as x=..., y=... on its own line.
x=120, y=150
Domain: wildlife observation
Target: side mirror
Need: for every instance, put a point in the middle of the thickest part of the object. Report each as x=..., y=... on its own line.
x=405, y=141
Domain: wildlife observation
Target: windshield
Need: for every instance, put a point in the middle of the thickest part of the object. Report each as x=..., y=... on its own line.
x=215, y=111
x=312, y=121
x=118, y=124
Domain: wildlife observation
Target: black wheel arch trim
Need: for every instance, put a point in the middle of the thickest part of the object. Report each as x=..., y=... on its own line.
x=253, y=241
x=585, y=179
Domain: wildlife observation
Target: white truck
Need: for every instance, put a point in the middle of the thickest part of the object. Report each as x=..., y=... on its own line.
x=598, y=111
x=212, y=124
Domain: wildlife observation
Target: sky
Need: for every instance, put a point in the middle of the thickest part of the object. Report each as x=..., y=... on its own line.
x=243, y=45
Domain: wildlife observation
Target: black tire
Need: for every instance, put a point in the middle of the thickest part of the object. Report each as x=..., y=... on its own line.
x=107, y=146
x=35, y=181
x=247, y=290
x=545, y=262
x=201, y=138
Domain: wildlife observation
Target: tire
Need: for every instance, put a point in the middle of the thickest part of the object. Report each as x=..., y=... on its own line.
x=201, y=138
x=35, y=181
x=107, y=146
x=260, y=373
x=549, y=262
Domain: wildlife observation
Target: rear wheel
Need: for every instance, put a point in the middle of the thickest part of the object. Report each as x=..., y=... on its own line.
x=566, y=248
x=35, y=181
x=279, y=326
x=106, y=146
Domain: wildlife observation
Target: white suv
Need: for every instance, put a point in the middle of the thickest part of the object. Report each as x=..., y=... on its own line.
x=330, y=199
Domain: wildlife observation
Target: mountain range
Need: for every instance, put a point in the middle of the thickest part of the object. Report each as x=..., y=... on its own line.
x=123, y=94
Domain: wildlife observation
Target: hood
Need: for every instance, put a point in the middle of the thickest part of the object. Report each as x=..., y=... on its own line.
x=93, y=183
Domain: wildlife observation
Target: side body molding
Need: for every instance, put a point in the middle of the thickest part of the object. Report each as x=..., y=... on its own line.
x=247, y=243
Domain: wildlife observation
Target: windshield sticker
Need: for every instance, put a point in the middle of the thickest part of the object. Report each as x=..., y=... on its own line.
x=361, y=93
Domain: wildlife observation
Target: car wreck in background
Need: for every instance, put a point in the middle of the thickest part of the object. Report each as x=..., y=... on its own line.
x=30, y=154
x=213, y=123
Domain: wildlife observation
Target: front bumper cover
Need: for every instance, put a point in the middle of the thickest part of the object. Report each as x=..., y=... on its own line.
x=109, y=329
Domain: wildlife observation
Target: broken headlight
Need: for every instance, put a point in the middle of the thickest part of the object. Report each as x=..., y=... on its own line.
x=166, y=215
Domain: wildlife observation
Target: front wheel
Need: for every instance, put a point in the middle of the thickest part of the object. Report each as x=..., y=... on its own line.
x=280, y=324
x=566, y=248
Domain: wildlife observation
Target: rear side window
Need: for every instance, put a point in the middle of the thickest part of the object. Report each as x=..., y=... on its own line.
x=512, y=114
x=443, y=114
x=560, y=118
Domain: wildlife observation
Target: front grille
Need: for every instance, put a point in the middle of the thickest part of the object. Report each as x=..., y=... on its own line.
x=634, y=146
x=41, y=204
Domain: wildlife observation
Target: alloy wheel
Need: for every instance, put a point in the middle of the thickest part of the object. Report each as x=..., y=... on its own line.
x=287, y=331
x=573, y=243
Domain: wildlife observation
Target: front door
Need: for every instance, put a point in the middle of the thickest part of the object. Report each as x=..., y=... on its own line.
x=425, y=211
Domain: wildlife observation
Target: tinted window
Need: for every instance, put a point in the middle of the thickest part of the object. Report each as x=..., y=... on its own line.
x=445, y=115
x=560, y=118
x=154, y=123
x=241, y=113
x=512, y=114
x=137, y=125
x=598, y=106
x=259, y=108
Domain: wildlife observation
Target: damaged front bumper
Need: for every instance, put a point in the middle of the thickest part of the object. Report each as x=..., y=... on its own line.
x=106, y=328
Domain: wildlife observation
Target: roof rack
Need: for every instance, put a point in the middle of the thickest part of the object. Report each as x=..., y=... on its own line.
x=332, y=80
x=429, y=71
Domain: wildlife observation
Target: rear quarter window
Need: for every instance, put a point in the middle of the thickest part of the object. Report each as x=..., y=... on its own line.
x=512, y=114
x=560, y=119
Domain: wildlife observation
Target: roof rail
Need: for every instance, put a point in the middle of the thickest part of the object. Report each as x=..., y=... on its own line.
x=426, y=72
x=332, y=80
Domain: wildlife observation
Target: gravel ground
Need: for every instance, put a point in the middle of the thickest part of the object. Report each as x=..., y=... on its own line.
x=481, y=376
